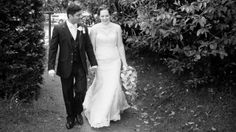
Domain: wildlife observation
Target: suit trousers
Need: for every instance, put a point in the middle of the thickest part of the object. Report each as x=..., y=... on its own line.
x=74, y=89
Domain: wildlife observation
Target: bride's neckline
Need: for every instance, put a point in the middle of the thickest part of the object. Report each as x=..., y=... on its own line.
x=106, y=26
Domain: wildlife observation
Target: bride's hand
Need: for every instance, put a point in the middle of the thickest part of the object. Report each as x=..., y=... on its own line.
x=93, y=69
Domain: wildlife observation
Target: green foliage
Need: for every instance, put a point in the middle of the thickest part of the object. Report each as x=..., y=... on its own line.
x=195, y=37
x=55, y=5
x=22, y=51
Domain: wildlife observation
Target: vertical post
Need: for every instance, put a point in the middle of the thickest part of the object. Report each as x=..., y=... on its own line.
x=50, y=25
x=49, y=22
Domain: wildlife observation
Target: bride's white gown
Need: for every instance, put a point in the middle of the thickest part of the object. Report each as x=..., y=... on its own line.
x=105, y=99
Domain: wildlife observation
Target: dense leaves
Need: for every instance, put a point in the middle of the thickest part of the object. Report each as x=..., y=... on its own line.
x=195, y=37
x=21, y=45
x=55, y=5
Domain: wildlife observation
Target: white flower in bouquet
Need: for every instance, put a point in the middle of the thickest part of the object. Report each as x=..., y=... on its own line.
x=129, y=81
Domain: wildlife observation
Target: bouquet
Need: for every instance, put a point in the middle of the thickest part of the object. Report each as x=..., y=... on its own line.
x=129, y=81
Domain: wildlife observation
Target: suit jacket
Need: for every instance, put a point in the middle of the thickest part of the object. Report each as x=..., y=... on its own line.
x=62, y=37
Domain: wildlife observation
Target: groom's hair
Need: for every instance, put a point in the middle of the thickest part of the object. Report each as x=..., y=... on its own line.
x=72, y=9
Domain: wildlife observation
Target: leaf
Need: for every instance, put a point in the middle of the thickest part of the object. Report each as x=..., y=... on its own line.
x=181, y=37
x=174, y=21
x=186, y=20
x=213, y=46
x=213, y=128
x=144, y=115
x=223, y=54
x=172, y=113
x=158, y=117
x=189, y=123
x=128, y=40
x=134, y=107
x=146, y=122
x=202, y=31
x=197, y=57
x=202, y=21
x=152, y=119
x=200, y=5
x=177, y=2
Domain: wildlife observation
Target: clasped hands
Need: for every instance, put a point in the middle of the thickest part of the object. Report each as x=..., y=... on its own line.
x=93, y=69
x=52, y=72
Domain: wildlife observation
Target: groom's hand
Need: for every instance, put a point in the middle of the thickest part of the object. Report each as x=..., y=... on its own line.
x=52, y=73
x=93, y=69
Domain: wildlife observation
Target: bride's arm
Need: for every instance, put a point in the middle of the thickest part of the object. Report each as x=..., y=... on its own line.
x=121, y=47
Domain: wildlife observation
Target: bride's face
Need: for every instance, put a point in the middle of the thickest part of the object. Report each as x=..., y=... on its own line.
x=104, y=16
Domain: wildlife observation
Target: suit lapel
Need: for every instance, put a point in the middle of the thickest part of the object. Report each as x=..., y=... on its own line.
x=68, y=33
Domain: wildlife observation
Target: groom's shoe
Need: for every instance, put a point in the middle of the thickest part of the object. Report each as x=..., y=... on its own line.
x=70, y=124
x=79, y=119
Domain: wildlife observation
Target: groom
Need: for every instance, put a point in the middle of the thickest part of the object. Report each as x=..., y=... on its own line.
x=73, y=42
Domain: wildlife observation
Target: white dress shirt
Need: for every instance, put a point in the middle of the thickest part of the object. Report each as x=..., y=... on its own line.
x=72, y=28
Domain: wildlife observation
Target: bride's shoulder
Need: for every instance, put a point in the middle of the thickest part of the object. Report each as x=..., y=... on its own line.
x=115, y=25
x=95, y=26
x=98, y=25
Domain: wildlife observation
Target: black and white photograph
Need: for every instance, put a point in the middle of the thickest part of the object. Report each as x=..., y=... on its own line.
x=117, y=65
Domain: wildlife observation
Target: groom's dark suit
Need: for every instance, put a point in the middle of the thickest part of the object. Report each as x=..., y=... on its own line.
x=72, y=66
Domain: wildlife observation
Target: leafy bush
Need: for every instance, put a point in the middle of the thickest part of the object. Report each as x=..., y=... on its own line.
x=22, y=51
x=195, y=37
x=55, y=5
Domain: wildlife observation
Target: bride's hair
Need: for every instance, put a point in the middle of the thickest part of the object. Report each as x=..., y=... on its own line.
x=103, y=7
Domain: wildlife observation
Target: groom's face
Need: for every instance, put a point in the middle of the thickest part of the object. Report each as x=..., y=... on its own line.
x=76, y=17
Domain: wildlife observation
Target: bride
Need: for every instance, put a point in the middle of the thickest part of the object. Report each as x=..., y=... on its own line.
x=105, y=100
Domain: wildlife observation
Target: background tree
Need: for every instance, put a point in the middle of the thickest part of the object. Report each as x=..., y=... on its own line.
x=194, y=37
x=55, y=5
x=22, y=51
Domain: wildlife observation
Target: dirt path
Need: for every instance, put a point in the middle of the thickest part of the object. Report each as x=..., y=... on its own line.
x=51, y=105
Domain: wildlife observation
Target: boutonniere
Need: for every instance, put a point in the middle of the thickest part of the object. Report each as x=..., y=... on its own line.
x=81, y=29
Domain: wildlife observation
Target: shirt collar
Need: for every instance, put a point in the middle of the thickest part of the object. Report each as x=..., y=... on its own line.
x=71, y=25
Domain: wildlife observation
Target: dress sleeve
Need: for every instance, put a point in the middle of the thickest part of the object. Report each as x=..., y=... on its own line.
x=90, y=50
x=121, y=46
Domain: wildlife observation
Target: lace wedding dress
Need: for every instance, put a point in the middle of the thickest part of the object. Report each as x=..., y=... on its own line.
x=105, y=100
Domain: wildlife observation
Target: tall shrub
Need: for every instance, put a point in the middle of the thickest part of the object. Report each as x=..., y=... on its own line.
x=196, y=37
x=21, y=48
